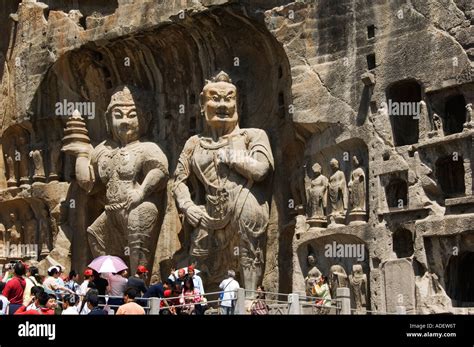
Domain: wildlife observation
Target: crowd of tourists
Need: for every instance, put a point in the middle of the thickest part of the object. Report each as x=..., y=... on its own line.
x=24, y=292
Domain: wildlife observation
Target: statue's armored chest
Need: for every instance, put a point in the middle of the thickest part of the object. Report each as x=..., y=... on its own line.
x=122, y=163
x=204, y=157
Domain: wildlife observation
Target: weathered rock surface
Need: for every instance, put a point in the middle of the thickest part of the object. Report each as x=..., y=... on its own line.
x=325, y=79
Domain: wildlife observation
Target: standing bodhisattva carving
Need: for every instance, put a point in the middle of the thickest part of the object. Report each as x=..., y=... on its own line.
x=317, y=196
x=233, y=165
x=132, y=170
x=338, y=194
x=357, y=188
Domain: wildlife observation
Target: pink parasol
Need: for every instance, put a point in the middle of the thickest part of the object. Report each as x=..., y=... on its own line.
x=108, y=263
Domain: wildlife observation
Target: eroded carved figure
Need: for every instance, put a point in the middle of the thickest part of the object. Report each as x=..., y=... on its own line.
x=358, y=283
x=317, y=195
x=13, y=234
x=297, y=187
x=337, y=279
x=438, y=125
x=30, y=227
x=10, y=169
x=55, y=160
x=16, y=157
x=133, y=172
x=44, y=233
x=313, y=274
x=337, y=193
x=234, y=166
x=38, y=173
x=469, y=124
x=357, y=188
x=3, y=240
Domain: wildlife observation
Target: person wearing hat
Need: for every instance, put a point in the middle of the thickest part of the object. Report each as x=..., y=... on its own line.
x=88, y=275
x=51, y=283
x=138, y=280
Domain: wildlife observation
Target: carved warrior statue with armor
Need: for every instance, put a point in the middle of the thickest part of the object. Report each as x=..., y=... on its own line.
x=132, y=170
x=234, y=166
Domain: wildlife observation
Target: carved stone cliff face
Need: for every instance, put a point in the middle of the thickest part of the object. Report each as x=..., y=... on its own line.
x=334, y=79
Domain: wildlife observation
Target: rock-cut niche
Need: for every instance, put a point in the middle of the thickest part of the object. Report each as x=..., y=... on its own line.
x=172, y=63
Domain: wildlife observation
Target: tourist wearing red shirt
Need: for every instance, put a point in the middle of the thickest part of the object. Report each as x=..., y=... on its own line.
x=42, y=302
x=15, y=287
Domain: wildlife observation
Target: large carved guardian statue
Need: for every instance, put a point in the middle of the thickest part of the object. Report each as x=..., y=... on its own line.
x=133, y=172
x=234, y=167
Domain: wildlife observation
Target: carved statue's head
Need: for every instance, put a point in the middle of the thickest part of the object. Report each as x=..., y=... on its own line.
x=317, y=169
x=128, y=114
x=219, y=101
x=12, y=217
x=469, y=107
x=334, y=164
x=357, y=269
x=311, y=259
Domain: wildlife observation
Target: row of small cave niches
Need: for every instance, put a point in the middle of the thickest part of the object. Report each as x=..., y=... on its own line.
x=448, y=173
x=27, y=161
x=451, y=114
x=448, y=112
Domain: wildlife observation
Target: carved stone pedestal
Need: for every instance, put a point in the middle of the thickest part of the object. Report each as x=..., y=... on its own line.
x=337, y=219
x=317, y=222
x=24, y=182
x=12, y=182
x=357, y=216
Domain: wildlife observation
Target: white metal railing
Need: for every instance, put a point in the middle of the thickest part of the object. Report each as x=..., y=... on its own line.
x=278, y=303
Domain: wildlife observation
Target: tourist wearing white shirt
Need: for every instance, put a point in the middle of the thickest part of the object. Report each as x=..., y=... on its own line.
x=229, y=286
x=70, y=304
x=4, y=303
